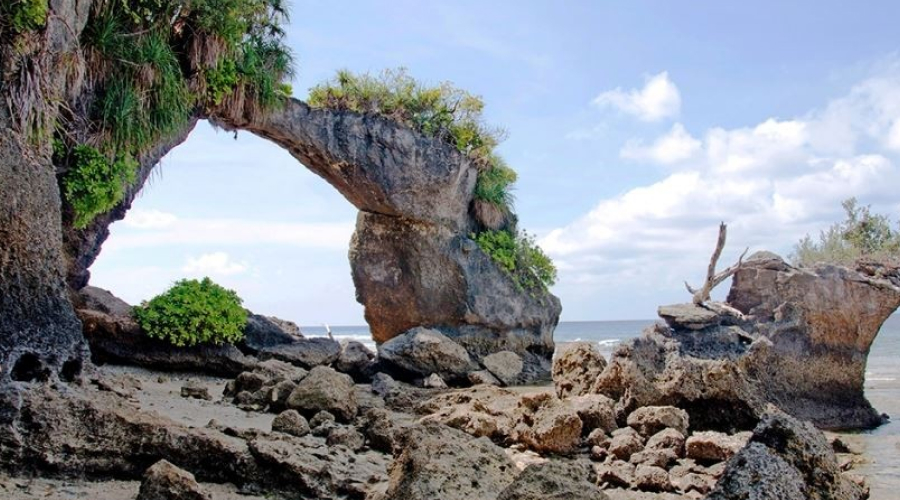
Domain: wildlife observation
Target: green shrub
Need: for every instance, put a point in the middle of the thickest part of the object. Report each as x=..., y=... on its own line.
x=95, y=184
x=24, y=15
x=495, y=183
x=861, y=235
x=194, y=312
x=518, y=255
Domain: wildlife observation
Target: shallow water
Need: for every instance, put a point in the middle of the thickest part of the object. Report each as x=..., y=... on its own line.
x=880, y=446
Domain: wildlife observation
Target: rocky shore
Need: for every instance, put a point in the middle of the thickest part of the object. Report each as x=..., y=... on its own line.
x=712, y=404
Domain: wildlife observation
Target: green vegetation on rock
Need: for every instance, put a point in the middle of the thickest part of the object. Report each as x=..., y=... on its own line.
x=156, y=63
x=519, y=255
x=862, y=235
x=442, y=111
x=95, y=183
x=194, y=312
x=21, y=16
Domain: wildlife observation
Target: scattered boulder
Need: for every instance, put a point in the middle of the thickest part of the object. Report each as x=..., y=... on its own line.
x=323, y=418
x=692, y=481
x=552, y=481
x=325, y=389
x=291, y=422
x=354, y=360
x=267, y=386
x=482, y=410
x=505, y=365
x=555, y=428
x=667, y=439
x=624, y=444
x=651, y=478
x=396, y=394
x=649, y=420
x=596, y=412
x=576, y=368
x=164, y=481
x=345, y=435
x=306, y=353
x=615, y=473
x=712, y=446
x=656, y=458
x=437, y=461
x=196, y=390
x=422, y=352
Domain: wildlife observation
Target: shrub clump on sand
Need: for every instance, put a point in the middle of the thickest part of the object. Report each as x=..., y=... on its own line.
x=519, y=255
x=861, y=235
x=194, y=312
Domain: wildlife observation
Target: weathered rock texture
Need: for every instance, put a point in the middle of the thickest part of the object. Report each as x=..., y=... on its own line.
x=801, y=345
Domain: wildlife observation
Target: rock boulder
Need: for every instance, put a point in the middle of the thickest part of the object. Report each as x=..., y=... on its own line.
x=423, y=352
x=164, y=481
x=576, y=368
x=325, y=390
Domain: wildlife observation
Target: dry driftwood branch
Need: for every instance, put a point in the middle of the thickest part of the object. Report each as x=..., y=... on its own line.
x=713, y=279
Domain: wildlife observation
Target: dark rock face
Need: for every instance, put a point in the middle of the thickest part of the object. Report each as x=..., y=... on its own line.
x=801, y=345
x=306, y=353
x=422, y=352
x=40, y=337
x=786, y=459
x=262, y=332
x=355, y=360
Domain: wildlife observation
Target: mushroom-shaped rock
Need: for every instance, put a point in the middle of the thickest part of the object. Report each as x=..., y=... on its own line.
x=423, y=351
x=325, y=389
x=576, y=368
x=165, y=481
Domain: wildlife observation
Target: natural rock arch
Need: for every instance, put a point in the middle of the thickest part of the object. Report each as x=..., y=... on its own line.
x=412, y=261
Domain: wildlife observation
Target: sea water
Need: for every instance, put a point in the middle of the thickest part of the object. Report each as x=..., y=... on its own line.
x=881, y=446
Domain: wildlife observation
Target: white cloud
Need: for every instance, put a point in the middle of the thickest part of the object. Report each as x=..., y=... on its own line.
x=772, y=183
x=213, y=264
x=149, y=219
x=658, y=99
x=243, y=232
x=674, y=147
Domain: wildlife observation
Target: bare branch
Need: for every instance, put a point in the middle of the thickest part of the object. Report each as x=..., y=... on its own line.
x=713, y=279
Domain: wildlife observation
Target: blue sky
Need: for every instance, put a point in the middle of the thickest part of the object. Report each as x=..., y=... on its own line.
x=635, y=127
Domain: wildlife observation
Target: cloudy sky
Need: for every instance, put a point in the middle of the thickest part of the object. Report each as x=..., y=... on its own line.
x=635, y=128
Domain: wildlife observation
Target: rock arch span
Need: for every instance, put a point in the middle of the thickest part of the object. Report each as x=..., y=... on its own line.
x=413, y=263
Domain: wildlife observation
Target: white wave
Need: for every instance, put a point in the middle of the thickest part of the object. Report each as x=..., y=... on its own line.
x=880, y=379
x=610, y=342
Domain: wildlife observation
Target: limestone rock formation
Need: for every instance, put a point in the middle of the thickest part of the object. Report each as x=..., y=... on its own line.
x=355, y=360
x=306, y=352
x=801, y=344
x=262, y=332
